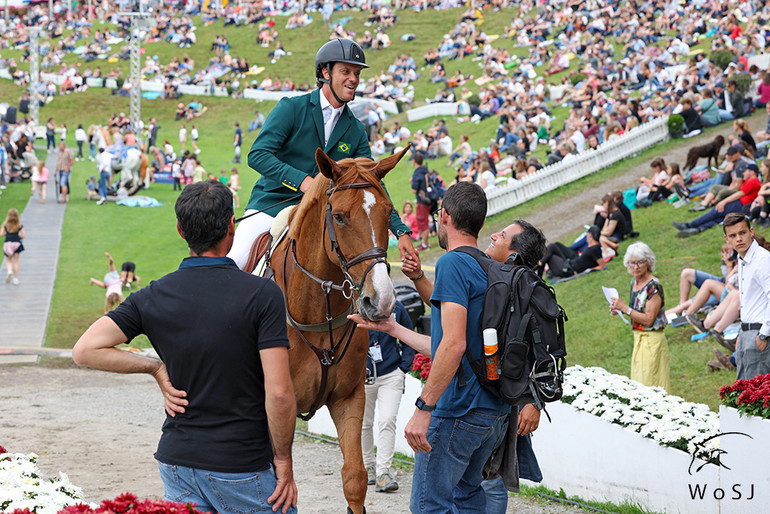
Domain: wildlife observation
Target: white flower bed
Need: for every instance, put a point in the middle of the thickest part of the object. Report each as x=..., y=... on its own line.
x=648, y=411
x=22, y=486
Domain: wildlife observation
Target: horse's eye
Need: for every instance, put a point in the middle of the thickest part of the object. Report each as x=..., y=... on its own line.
x=339, y=219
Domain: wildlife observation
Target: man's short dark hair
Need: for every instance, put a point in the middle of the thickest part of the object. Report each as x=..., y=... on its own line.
x=530, y=243
x=595, y=232
x=417, y=157
x=467, y=204
x=203, y=212
x=735, y=218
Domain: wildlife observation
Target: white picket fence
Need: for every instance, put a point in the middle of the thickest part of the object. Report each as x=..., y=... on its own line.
x=575, y=167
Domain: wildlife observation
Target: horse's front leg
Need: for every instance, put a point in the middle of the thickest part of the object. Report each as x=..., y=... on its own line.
x=348, y=416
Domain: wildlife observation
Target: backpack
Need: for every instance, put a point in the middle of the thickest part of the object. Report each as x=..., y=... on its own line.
x=530, y=334
x=434, y=187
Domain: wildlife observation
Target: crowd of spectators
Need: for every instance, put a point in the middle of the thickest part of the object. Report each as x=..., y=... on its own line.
x=631, y=70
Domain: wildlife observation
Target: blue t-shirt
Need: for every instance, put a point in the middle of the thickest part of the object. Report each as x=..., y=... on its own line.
x=461, y=280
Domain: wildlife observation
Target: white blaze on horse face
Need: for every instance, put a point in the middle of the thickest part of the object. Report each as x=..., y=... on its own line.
x=386, y=296
x=369, y=202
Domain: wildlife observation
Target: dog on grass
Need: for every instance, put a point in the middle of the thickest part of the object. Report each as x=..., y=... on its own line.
x=708, y=151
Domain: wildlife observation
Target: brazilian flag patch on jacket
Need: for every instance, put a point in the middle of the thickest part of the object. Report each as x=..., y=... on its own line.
x=343, y=147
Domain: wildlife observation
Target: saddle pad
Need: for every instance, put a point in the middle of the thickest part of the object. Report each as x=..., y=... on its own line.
x=278, y=231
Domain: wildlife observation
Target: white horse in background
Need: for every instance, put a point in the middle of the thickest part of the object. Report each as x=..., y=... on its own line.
x=130, y=162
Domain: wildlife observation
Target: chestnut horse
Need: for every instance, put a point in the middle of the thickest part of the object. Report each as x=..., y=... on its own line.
x=334, y=262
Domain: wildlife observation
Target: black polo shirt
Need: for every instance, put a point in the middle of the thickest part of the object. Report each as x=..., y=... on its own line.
x=207, y=321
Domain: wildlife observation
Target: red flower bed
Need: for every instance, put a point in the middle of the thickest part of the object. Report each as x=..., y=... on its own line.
x=420, y=367
x=127, y=503
x=751, y=397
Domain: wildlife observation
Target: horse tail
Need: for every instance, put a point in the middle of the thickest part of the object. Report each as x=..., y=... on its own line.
x=143, y=164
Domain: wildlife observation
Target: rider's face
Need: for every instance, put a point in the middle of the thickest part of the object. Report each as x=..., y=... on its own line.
x=344, y=81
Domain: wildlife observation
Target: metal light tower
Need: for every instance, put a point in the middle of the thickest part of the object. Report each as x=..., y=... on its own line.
x=136, y=78
x=139, y=21
x=34, y=73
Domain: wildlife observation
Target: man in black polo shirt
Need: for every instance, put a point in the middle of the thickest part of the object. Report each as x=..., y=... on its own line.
x=221, y=335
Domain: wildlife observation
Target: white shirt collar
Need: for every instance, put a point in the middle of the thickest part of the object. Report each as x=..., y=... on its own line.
x=750, y=252
x=325, y=103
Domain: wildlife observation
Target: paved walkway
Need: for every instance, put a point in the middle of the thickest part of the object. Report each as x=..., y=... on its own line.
x=25, y=307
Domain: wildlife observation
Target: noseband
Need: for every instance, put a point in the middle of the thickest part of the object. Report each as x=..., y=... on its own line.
x=377, y=255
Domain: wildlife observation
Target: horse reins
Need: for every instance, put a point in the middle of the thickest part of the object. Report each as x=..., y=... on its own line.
x=377, y=254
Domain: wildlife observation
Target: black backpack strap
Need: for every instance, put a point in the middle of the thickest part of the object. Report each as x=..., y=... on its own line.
x=484, y=261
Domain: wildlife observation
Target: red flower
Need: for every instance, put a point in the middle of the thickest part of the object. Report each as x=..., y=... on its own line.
x=3, y=450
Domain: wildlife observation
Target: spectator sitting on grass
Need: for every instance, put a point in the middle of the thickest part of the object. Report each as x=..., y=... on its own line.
x=733, y=203
x=563, y=261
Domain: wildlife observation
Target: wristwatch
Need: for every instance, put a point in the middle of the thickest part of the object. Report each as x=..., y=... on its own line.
x=420, y=404
x=763, y=337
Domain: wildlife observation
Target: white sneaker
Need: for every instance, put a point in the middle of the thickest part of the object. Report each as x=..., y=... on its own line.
x=15, y=281
x=100, y=202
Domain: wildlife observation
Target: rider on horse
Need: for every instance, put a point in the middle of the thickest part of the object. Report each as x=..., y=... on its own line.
x=284, y=151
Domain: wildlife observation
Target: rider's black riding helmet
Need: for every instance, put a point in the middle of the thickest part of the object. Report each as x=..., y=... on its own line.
x=338, y=50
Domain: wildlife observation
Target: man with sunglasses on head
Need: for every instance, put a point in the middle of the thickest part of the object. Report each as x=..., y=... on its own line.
x=449, y=459
x=284, y=151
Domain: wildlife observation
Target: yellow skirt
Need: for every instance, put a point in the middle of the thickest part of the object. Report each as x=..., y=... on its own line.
x=649, y=362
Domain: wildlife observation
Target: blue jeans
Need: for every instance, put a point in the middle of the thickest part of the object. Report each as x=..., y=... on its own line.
x=725, y=115
x=64, y=178
x=104, y=176
x=213, y=491
x=497, y=496
x=713, y=217
x=450, y=474
x=701, y=188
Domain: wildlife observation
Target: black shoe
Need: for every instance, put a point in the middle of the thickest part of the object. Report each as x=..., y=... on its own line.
x=680, y=226
x=764, y=222
x=697, y=324
x=728, y=344
x=688, y=232
x=633, y=234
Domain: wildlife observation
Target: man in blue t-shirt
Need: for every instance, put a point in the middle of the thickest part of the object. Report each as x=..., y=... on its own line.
x=454, y=429
x=236, y=348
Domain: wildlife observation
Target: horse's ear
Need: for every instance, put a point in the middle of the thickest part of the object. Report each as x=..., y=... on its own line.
x=326, y=164
x=387, y=164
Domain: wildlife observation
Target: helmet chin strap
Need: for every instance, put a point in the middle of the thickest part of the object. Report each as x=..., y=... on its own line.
x=329, y=82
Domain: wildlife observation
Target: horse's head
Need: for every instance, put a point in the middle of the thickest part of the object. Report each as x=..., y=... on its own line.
x=357, y=219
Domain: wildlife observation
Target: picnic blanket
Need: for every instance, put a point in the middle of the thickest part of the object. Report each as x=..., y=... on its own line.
x=139, y=201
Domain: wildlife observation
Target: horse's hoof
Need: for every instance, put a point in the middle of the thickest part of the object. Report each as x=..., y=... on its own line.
x=351, y=512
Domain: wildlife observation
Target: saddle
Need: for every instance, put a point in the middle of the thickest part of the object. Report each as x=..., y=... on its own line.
x=256, y=264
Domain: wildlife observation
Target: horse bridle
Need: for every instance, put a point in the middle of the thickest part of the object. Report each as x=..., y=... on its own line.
x=349, y=286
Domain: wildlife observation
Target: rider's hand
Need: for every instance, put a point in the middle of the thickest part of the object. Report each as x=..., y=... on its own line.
x=405, y=247
x=306, y=184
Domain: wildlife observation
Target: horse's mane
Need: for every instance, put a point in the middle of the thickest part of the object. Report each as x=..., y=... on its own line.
x=356, y=170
